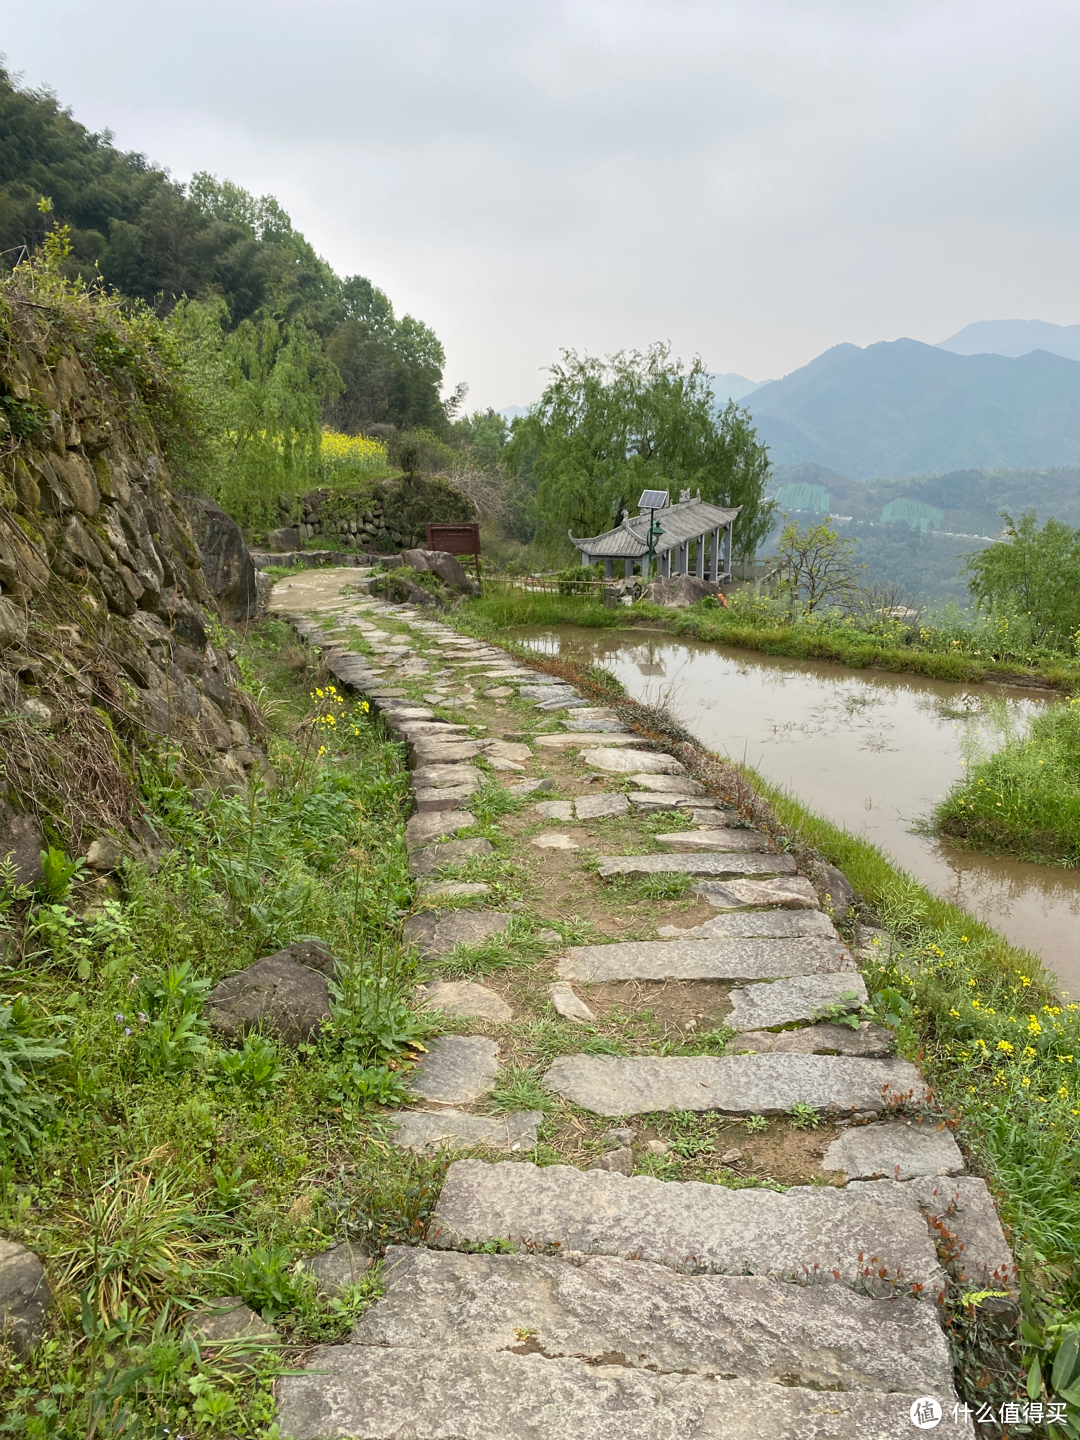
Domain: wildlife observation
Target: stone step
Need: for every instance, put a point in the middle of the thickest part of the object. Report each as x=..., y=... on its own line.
x=365, y=1393
x=868, y=1042
x=565, y=740
x=961, y=1213
x=675, y=800
x=437, y=932
x=798, y=1000
x=453, y=1130
x=651, y=1317
x=456, y=1070
x=894, y=1150
x=687, y=1225
x=625, y=762
x=668, y=784
x=711, y=864
x=772, y=924
x=464, y=997
x=791, y=893
x=733, y=1084
x=746, y=841
x=432, y=825
x=714, y=959
x=431, y=858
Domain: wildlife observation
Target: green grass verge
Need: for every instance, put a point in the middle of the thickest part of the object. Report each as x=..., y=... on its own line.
x=154, y=1167
x=1024, y=799
x=955, y=654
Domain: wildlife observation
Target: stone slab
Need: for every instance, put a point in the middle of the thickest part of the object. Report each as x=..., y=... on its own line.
x=565, y=740
x=454, y=852
x=445, y=776
x=338, y=1269
x=765, y=924
x=668, y=784
x=651, y=1317
x=792, y=892
x=456, y=1069
x=229, y=1319
x=553, y=840
x=432, y=889
x=499, y=762
x=434, y=798
x=434, y=752
x=423, y=829
x=708, y=865
x=453, y=1130
x=506, y=750
x=584, y=724
x=962, y=1211
x=742, y=959
x=528, y=787
x=687, y=1225
x=734, y=1084
x=600, y=807
x=744, y=841
x=625, y=762
x=568, y=1004
x=648, y=801
x=359, y=1392
x=547, y=692
x=464, y=997
x=556, y=809
x=799, y=998
x=438, y=932
x=894, y=1150
x=568, y=702
x=869, y=1042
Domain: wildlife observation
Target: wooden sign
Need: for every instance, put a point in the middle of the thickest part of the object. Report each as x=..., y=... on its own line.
x=456, y=540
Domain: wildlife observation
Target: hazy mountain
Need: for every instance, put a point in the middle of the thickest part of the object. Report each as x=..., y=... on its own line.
x=733, y=387
x=511, y=412
x=1014, y=337
x=904, y=408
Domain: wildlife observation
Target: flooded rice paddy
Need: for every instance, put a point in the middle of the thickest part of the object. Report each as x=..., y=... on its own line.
x=870, y=751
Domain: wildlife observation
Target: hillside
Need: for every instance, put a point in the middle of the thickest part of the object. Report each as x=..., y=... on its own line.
x=901, y=408
x=1014, y=337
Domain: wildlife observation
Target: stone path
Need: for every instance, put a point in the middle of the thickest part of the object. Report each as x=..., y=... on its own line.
x=622, y=1304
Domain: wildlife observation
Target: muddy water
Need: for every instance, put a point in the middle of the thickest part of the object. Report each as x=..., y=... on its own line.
x=870, y=751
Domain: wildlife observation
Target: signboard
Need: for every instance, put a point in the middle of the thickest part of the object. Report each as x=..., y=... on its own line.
x=456, y=540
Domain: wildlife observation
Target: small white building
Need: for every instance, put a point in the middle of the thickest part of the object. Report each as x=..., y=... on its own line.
x=695, y=539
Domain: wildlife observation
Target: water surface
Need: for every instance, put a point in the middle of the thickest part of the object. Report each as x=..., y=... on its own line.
x=870, y=751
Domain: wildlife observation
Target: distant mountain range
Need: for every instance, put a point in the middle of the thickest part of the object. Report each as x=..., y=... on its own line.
x=1014, y=337
x=904, y=408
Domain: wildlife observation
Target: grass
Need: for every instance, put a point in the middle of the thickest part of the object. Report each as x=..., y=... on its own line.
x=152, y=1167
x=945, y=651
x=1025, y=799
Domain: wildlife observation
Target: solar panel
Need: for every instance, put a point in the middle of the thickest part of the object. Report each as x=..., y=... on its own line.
x=653, y=500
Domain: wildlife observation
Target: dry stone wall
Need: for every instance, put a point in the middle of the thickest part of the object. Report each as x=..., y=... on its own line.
x=110, y=637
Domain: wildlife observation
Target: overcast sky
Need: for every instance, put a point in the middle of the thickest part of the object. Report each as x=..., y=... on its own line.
x=753, y=180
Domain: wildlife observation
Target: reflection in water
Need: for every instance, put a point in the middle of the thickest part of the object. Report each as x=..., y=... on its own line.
x=872, y=753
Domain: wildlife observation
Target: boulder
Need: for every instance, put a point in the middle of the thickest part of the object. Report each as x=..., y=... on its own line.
x=837, y=889
x=276, y=994
x=21, y=842
x=312, y=953
x=25, y=1297
x=679, y=591
x=105, y=854
x=440, y=563
x=287, y=538
x=227, y=562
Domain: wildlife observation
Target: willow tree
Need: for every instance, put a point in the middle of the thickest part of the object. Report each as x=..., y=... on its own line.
x=604, y=430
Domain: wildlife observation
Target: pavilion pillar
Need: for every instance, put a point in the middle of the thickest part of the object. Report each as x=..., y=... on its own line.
x=699, y=557
x=665, y=565
x=717, y=564
x=727, y=547
x=628, y=569
x=684, y=558
x=609, y=568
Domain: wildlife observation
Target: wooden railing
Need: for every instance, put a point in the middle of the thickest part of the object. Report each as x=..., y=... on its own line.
x=546, y=585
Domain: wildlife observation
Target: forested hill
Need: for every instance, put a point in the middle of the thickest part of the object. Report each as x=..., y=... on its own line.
x=156, y=240
x=902, y=408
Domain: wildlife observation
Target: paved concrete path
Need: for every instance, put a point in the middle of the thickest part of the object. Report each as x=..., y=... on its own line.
x=625, y=1305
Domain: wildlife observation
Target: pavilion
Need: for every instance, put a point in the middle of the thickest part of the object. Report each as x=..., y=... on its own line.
x=688, y=526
